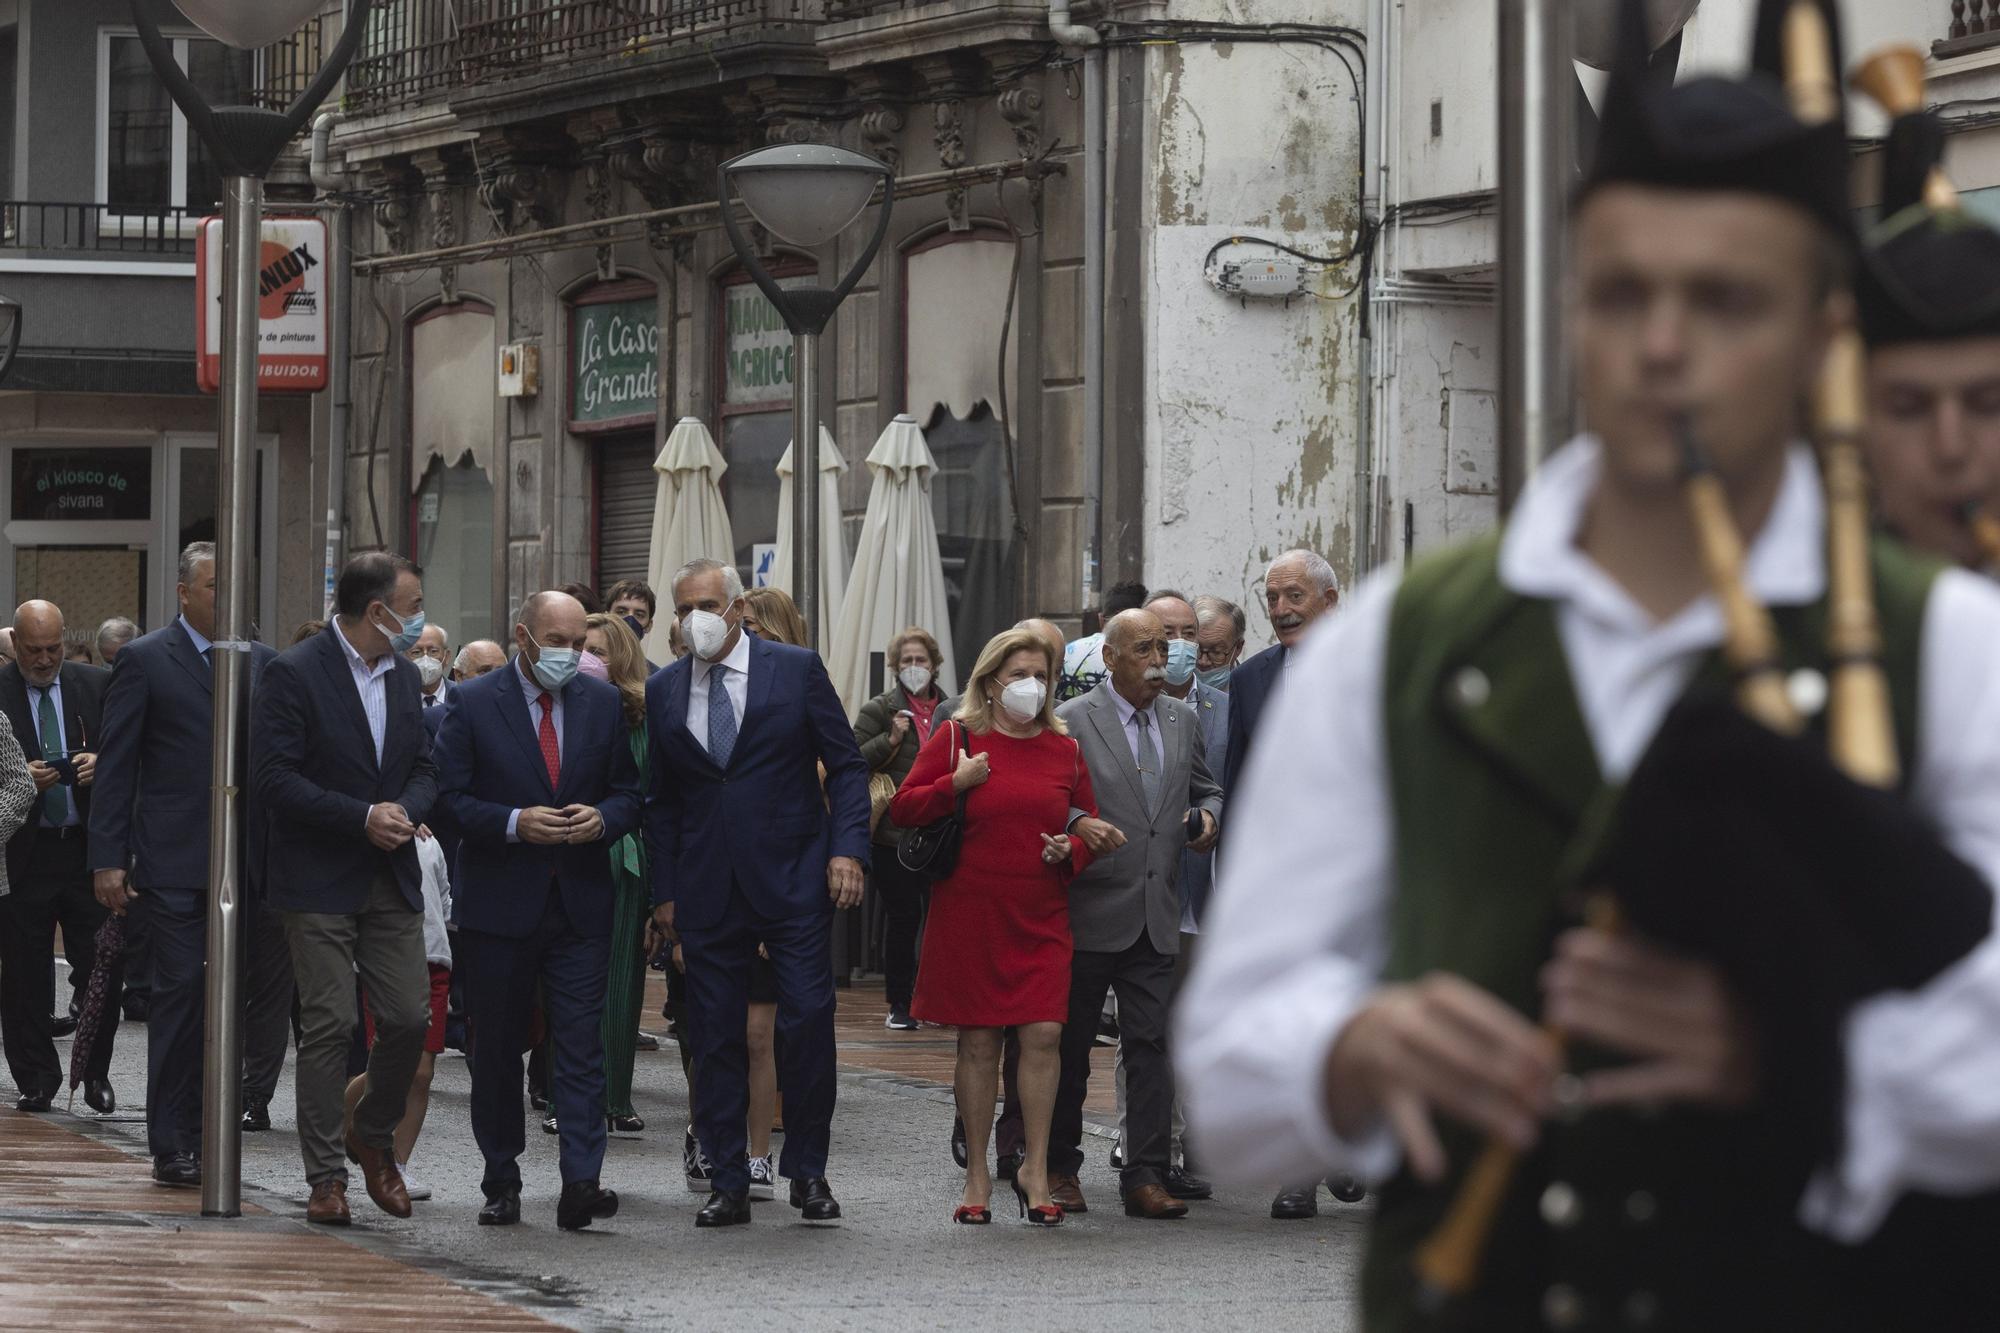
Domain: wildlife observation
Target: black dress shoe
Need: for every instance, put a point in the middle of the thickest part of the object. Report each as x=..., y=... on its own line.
x=582, y=1203
x=1005, y=1166
x=624, y=1124
x=62, y=1025
x=1183, y=1184
x=959, y=1151
x=1118, y=1155
x=503, y=1208
x=177, y=1169
x=35, y=1101
x=814, y=1200
x=549, y=1125
x=97, y=1094
x=1294, y=1204
x=724, y=1210
x=1347, y=1189
x=256, y=1115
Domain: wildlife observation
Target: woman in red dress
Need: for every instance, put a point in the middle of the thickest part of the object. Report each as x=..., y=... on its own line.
x=997, y=945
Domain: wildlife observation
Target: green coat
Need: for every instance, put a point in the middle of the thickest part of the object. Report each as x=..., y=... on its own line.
x=1498, y=806
x=872, y=726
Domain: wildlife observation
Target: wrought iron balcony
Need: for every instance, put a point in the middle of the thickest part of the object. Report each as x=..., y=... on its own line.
x=419, y=50
x=102, y=229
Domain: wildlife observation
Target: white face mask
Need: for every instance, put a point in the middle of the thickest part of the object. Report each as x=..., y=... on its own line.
x=430, y=671
x=1023, y=700
x=915, y=679
x=705, y=633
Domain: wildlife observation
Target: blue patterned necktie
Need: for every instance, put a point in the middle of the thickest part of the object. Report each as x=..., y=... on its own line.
x=721, y=717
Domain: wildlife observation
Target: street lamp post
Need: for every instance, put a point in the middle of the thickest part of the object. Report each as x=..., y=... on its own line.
x=805, y=194
x=245, y=142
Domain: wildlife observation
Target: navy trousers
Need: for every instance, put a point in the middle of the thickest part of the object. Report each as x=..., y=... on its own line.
x=719, y=959
x=177, y=932
x=500, y=975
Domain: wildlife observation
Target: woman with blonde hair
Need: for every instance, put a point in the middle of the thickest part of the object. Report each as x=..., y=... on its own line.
x=997, y=948
x=611, y=641
x=770, y=613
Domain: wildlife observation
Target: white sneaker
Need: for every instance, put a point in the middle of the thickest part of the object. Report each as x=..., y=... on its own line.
x=763, y=1181
x=413, y=1187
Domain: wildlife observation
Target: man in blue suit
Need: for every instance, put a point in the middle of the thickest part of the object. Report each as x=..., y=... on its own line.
x=341, y=761
x=746, y=848
x=537, y=777
x=148, y=844
x=1299, y=588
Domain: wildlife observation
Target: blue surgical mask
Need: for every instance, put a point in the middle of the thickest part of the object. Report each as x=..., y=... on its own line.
x=407, y=631
x=554, y=667
x=1180, y=661
x=1216, y=678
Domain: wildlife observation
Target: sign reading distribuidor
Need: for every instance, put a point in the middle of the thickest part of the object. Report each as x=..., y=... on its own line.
x=291, y=306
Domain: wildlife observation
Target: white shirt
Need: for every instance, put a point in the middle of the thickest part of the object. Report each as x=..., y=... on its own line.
x=368, y=684
x=531, y=694
x=735, y=679
x=1298, y=928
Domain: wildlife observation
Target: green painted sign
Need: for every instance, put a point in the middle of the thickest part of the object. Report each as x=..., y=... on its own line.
x=614, y=357
x=758, y=355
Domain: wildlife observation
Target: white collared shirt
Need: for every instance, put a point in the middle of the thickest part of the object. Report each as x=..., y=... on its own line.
x=368, y=684
x=1297, y=931
x=735, y=679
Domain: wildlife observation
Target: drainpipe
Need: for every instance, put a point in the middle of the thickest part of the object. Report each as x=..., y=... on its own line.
x=1077, y=37
x=332, y=181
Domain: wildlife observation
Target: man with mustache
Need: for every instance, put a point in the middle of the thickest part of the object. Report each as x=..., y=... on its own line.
x=1146, y=752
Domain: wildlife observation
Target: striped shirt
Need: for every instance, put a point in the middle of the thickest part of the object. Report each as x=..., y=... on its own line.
x=368, y=683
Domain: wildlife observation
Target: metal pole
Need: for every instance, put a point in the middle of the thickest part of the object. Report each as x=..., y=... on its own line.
x=1537, y=163
x=1094, y=119
x=805, y=482
x=222, y=1064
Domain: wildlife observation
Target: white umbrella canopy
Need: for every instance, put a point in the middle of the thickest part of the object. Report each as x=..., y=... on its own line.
x=898, y=577
x=689, y=520
x=832, y=541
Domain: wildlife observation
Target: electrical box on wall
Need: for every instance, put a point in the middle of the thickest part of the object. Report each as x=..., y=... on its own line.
x=520, y=370
x=1277, y=278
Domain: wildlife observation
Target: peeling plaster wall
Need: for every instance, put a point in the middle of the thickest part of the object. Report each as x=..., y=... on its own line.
x=1251, y=407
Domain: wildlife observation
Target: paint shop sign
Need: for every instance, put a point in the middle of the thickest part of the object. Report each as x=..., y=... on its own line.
x=291, y=305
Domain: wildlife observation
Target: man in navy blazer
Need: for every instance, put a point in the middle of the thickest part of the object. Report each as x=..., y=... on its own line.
x=148, y=844
x=341, y=761
x=746, y=849
x=537, y=778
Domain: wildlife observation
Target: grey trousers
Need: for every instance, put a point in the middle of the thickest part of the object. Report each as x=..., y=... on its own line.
x=384, y=941
x=1182, y=963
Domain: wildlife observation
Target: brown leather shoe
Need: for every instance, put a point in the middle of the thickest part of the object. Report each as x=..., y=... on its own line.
x=329, y=1204
x=384, y=1181
x=1066, y=1193
x=1153, y=1202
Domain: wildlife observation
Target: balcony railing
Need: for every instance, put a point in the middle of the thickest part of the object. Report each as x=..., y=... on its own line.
x=123, y=229
x=420, y=49
x=283, y=69
x=1974, y=26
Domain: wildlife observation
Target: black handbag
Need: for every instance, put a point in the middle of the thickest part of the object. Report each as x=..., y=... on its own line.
x=932, y=849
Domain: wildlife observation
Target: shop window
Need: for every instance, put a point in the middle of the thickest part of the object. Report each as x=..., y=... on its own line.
x=454, y=532
x=148, y=159
x=453, y=391
x=756, y=409
x=956, y=300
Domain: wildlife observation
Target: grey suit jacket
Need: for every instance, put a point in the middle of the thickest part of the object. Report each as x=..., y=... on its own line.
x=1137, y=888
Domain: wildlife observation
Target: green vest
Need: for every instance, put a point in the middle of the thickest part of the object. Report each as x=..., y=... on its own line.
x=1499, y=806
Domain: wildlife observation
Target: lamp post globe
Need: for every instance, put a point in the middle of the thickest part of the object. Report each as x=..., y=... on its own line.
x=248, y=24
x=805, y=195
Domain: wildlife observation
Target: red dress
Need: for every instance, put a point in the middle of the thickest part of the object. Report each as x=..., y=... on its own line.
x=996, y=944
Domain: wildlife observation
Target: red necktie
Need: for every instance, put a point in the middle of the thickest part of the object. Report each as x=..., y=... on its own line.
x=551, y=752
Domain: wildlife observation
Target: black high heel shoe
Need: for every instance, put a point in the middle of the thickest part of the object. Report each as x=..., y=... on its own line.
x=968, y=1215
x=1041, y=1215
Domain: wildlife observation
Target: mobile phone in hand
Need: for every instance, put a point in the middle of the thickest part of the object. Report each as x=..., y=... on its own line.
x=1193, y=825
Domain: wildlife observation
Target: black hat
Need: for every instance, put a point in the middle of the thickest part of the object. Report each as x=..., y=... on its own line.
x=1926, y=274
x=1722, y=134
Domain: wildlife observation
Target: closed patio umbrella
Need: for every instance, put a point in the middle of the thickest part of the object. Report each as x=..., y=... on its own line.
x=689, y=520
x=832, y=542
x=898, y=577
